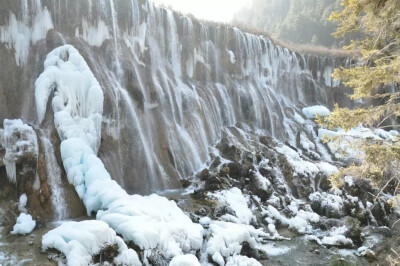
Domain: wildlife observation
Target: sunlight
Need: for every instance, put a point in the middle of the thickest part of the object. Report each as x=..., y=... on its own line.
x=216, y=10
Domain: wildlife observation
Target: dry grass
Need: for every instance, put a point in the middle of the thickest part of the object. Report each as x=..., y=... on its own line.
x=304, y=49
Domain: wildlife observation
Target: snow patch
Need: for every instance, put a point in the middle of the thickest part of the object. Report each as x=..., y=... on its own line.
x=312, y=111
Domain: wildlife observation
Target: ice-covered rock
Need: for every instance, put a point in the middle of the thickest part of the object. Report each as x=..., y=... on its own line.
x=312, y=111
x=25, y=224
x=185, y=260
x=80, y=241
x=19, y=140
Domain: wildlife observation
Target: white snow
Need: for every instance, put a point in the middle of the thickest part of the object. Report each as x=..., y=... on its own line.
x=19, y=139
x=238, y=260
x=299, y=119
x=333, y=202
x=25, y=224
x=273, y=250
x=151, y=221
x=226, y=239
x=185, y=260
x=312, y=111
x=337, y=240
x=237, y=202
x=299, y=165
x=19, y=36
x=306, y=143
x=79, y=241
x=300, y=222
x=349, y=180
x=327, y=168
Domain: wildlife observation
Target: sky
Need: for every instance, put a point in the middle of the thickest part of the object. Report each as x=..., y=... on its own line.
x=216, y=10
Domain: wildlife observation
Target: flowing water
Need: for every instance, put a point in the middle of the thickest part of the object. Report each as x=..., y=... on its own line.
x=171, y=83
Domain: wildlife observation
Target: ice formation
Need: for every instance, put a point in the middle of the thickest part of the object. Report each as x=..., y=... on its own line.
x=94, y=35
x=23, y=199
x=185, y=260
x=78, y=97
x=312, y=111
x=17, y=35
x=25, y=224
x=150, y=222
x=79, y=241
x=19, y=139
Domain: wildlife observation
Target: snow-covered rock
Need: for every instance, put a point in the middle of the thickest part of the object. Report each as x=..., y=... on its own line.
x=312, y=111
x=235, y=200
x=226, y=239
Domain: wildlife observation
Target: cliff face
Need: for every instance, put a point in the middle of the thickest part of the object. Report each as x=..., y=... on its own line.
x=170, y=83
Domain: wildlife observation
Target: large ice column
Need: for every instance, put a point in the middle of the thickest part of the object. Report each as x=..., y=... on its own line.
x=150, y=222
x=78, y=97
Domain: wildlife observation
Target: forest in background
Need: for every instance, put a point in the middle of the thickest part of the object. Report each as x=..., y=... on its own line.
x=293, y=21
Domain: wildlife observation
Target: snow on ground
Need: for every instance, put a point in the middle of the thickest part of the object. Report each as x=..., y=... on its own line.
x=25, y=224
x=300, y=222
x=238, y=260
x=237, y=202
x=151, y=221
x=312, y=111
x=79, y=241
x=336, y=238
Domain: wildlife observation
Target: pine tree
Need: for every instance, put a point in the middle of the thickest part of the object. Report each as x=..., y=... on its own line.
x=375, y=80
